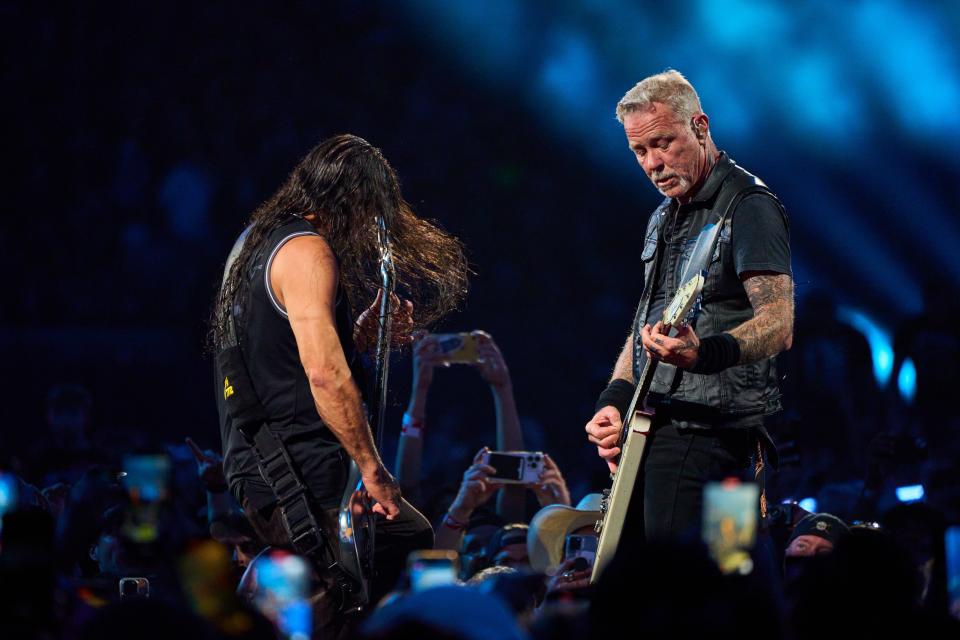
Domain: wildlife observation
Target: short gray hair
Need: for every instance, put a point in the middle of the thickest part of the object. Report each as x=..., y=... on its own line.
x=669, y=88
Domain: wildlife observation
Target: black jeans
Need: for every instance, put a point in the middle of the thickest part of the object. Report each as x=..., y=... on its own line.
x=394, y=540
x=668, y=504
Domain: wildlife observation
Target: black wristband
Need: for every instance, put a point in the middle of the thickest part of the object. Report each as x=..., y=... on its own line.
x=716, y=354
x=618, y=393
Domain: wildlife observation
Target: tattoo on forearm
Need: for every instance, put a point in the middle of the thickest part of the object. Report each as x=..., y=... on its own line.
x=771, y=328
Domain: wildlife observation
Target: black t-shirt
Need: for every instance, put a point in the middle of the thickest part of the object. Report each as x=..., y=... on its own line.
x=760, y=238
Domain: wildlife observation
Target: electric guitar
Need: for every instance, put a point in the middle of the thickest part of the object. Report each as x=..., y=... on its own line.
x=633, y=436
x=355, y=520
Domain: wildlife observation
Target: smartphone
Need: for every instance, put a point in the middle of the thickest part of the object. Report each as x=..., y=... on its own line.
x=282, y=592
x=432, y=568
x=515, y=467
x=730, y=514
x=146, y=477
x=134, y=588
x=952, y=547
x=8, y=494
x=458, y=348
x=581, y=547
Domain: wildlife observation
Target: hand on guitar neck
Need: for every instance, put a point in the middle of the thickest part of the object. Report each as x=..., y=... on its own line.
x=680, y=350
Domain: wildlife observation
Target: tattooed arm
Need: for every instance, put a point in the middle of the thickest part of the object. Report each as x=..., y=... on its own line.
x=770, y=330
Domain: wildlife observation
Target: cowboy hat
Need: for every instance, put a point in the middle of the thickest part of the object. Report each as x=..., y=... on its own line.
x=550, y=527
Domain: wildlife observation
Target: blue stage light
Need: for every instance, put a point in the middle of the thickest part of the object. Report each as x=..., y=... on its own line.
x=881, y=344
x=907, y=381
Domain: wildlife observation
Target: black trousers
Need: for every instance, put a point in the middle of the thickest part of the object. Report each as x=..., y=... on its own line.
x=668, y=504
x=393, y=542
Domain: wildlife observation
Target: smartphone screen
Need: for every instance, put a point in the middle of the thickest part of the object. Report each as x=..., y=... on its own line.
x=146, y=478
x=952, y=545
x=428, y=569
x=508, y=467
x=730, y=513
x=426, y=574
x=8, y=494
x=282, y=593
x=581, y=547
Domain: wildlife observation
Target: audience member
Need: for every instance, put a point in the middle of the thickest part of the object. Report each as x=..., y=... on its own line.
x=553, y=526
x=816, y=534
x=428, y=355
x=66, y=448
x=444, y=612
x=508, y=547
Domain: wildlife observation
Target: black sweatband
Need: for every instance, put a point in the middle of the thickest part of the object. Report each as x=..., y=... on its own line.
x=618, y=393
x=716, y=354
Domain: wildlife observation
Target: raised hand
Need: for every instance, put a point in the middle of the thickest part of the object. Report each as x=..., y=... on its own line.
x=552, y=488
x=491, y=365
x=603, y=430
x=427, y=356
x=367, y=327
x=568, y=576
x=209, y=467
x=476, y=488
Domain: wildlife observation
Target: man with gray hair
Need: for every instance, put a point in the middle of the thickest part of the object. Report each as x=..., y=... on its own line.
x=716, y=381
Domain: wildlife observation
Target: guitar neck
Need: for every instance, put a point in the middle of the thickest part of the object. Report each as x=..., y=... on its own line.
x=643, y=386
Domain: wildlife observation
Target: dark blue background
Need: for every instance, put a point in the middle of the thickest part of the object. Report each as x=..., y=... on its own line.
x=139, y=136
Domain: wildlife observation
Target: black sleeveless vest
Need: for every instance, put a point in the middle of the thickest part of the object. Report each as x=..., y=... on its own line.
x=273, y=361
x=738, y=396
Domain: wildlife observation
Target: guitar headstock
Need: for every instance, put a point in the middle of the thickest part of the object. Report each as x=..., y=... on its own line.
x=684, y=304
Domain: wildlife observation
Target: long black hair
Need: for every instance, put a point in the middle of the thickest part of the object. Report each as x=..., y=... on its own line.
x=347, y=183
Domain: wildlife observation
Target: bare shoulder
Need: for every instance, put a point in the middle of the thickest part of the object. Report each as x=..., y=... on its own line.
x=306, y=249
x=307, y=255
x=304, y=263
x=767, y=287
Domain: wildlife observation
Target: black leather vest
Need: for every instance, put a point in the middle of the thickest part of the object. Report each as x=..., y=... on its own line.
x=738, y=396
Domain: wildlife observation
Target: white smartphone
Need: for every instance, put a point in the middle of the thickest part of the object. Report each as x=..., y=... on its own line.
x=515, y=467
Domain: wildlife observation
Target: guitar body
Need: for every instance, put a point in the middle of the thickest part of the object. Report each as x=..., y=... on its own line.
x=355, y=524
x=615, y=504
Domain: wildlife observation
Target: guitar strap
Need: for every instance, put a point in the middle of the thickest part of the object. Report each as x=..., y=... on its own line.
x=276, y=465
x=705, y=249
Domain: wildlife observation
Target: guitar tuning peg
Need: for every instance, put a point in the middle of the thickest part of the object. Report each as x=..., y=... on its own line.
x=598, y=525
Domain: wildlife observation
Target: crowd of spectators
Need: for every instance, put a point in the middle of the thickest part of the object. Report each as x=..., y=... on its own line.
x=138, y=159
x=98, y=541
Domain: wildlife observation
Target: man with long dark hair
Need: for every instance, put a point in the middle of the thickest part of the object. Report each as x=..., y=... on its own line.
x=293, y=293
